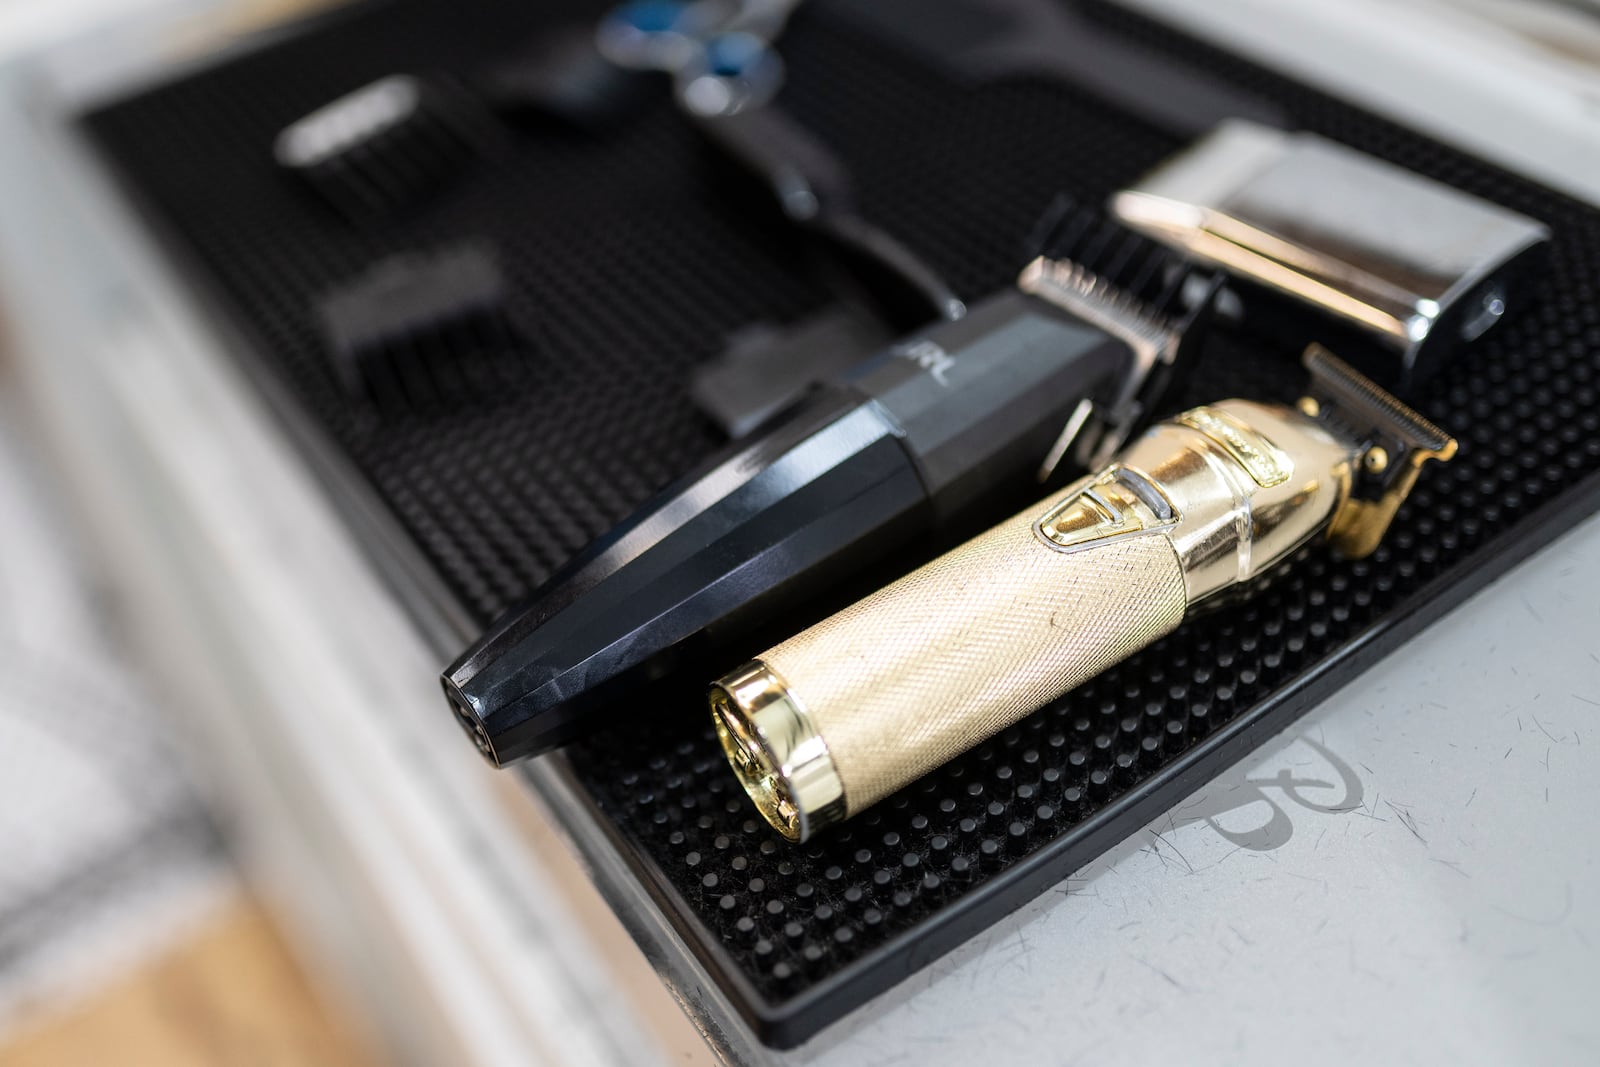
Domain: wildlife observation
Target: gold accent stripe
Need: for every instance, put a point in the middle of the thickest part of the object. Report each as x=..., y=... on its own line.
x=1264, y=461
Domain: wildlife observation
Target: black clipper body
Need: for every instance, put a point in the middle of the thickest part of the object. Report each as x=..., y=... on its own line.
x=930, y=435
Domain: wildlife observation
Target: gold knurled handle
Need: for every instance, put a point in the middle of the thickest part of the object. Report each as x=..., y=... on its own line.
x=958, y=650
x=830, y=722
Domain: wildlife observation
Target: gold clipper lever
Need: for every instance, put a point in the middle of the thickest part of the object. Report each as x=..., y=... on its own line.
x=833, y=720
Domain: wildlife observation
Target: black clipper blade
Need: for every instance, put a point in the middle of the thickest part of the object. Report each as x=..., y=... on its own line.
x=1396, y=441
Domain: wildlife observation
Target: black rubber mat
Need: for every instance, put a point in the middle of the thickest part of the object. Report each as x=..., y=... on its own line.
x=631, y=255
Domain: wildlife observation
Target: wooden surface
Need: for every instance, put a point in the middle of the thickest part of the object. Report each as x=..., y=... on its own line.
x=230, y=995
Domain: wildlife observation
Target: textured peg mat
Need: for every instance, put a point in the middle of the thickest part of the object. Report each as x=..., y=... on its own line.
x=631, y=255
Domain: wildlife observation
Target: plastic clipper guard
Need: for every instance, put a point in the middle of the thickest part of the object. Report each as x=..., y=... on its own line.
x=828, y=723
x=384, y=148
x=422, y=330
x=488, y=506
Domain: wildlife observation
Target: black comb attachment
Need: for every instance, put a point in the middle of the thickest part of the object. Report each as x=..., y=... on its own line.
x=1070, y=230
x=385, y=147
x=422, y=331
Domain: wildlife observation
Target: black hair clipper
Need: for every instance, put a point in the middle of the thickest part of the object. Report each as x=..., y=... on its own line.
x=930, y=435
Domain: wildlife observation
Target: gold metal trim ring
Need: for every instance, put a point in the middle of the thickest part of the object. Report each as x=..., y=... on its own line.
x=778, y=755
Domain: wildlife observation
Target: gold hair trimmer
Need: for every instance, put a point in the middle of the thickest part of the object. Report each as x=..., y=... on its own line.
x=833, y=720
